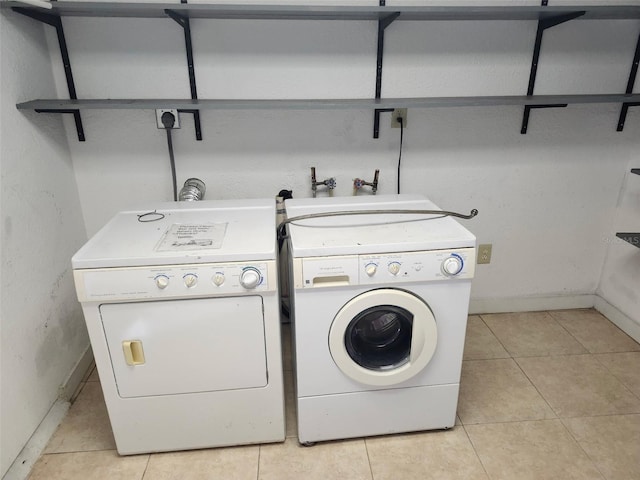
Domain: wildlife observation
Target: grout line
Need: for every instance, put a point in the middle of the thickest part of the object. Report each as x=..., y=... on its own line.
x=484, y=468
x=566, y=330
x=593, y=462
x=260, y=453
x=146, y=467
x=536, y=387
x=366, y=449
x=614, y=375
x=496, y=337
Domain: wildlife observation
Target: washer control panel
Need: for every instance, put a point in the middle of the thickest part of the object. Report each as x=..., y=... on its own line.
x=175, y=281
x=417, y=266
x=385, y=268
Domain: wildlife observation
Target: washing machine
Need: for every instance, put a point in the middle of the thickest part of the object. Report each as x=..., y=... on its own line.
x=181, y=305
x=380, y=304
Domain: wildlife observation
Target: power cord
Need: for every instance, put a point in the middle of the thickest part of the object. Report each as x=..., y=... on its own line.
x=282, y=228
x=400, y=120
x=169, y=120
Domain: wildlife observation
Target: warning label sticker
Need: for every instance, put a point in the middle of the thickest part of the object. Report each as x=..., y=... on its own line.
x=191, y=236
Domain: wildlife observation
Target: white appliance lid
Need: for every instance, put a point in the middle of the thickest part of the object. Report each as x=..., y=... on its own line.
x=380, y=233
x=190, y=232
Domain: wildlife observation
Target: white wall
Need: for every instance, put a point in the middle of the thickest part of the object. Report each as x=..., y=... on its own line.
x=545, y=198
x=43, y=333
x=620, y=282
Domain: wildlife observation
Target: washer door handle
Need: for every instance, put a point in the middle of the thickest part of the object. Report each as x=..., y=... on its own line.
x=133, y=352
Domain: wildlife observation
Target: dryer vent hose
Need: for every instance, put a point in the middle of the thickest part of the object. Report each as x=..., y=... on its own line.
x=193, y=190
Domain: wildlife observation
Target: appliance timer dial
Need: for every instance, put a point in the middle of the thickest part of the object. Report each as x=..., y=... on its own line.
x=452, y=265
x=162, y=281
x=250, y=278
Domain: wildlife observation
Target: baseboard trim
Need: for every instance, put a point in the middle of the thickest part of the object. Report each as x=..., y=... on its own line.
x=624, y=322
x=28, y=456
x=70, y=386
x=530, y=304
x=24, y=462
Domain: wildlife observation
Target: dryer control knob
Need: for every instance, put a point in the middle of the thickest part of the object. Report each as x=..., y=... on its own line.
x=394, y=268
x=371, y=269
x=452, y=265
x=162, y=281
x=190, y=280
x=250, y=278
x=218, y=279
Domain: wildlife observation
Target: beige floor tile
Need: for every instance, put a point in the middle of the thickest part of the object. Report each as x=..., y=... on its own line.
x=238, y=463
x=595, y=332
x=442, y=455
x=343, y=459
x=536, y=450
x=612, y=442
x=579, y=385
x=86, y=427
x=625, y=366
x=498, y=391
x=93, y=377
x=103, y=465
x=480, y=343
x=532, y=334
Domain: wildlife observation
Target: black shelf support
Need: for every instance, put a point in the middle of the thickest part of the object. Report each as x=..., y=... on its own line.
x=636, y=171
x=382, y=25
x=630, y=83
x=56, y=22
x=543, y=24
x=183, y=21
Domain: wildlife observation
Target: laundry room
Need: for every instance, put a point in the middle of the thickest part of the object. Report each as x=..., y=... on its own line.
x=521, y=124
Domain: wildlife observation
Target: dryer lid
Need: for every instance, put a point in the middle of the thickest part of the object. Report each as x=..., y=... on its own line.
x=183, y=233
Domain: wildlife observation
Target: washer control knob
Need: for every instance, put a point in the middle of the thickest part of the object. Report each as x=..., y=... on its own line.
x=218, y=279
x=190, y=280
x=162, y=281
x=394, y=268
x=250, y=277
x=371, y=269
x=452, y=265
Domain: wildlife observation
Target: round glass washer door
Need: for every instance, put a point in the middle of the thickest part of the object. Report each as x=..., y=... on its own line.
x=383, y=337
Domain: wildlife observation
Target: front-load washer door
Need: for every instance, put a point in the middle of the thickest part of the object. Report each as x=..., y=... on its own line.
x=383, y=337
x=186, y=346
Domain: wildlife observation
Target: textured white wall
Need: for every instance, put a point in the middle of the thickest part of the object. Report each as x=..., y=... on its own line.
x=620, y=282
x=43, y=333
x=545, y=199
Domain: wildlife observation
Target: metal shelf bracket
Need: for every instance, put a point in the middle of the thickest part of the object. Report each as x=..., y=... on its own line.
x=543, y=24
x=56, y=22
x=630, y=83
x=183, y=21
x=382, y=25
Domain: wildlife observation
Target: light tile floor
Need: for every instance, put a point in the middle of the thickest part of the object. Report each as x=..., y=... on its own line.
x=544, y=395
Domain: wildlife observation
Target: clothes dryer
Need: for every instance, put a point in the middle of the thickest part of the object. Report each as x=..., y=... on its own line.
x=380, y=304
x=181, y=305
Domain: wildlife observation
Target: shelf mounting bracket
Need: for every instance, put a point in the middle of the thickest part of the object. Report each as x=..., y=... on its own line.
x=382, y=25
x=543, y=24
x=183, y=21
x=630, y=83
x=56, y=22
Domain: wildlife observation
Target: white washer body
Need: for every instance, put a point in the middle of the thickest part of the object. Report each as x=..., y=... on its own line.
x=183, y=317
x=354, y=277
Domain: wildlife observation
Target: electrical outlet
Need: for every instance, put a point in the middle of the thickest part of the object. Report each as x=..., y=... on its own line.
x=484, y=253
x=173, y=111
x=399, y=113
